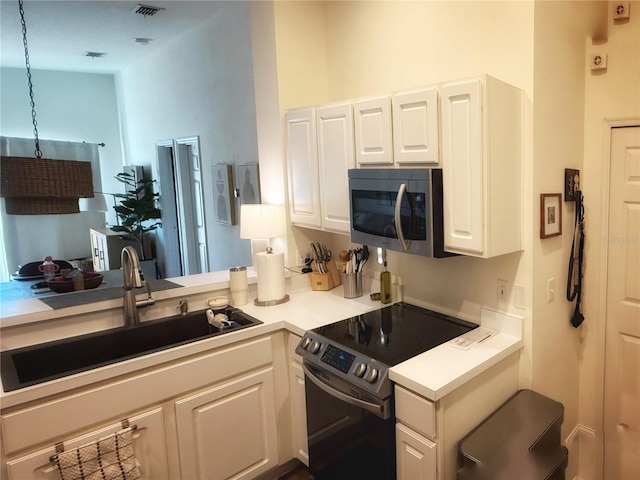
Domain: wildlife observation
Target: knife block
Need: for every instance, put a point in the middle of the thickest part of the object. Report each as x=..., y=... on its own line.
x=326, y=281
x=321, y=281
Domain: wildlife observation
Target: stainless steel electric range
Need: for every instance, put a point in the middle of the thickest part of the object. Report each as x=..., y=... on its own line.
x=349, y=397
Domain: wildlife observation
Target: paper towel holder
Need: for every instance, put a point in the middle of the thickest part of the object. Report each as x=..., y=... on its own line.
x=260, y=222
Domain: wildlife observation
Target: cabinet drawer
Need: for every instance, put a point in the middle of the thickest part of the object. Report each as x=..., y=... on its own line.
x=416, y=412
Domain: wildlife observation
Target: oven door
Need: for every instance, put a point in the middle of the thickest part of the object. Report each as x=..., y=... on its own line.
x=350, y=433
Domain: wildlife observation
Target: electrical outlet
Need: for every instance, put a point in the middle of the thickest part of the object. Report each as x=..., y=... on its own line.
x=502, y=290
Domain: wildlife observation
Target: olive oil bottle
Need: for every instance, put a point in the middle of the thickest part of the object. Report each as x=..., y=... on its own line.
x=385, y=285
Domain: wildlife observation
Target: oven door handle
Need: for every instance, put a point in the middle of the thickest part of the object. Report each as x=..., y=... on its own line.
x=399, y=233
x=376, y=409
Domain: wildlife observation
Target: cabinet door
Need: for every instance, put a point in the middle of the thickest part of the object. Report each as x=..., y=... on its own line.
x=415, y=455
x=335, y=157
x=462, y=166
x=302, y=167
x=149, y=446
x=415, y=127
x=299, y=413
x=229, y=430
x=373, y=140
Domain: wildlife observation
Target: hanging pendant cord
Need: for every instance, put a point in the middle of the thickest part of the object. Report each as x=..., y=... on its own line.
x=37, y=152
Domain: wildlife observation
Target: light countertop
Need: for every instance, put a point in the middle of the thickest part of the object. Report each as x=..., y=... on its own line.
x=432, y=374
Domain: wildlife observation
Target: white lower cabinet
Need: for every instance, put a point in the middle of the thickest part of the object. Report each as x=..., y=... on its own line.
x=149, y=445
x=207, y=416
x=298, y=403
x=415, y=455
x=229, y=430
x=428, y=432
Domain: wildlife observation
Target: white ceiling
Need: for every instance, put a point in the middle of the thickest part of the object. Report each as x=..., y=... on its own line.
x=59, y=32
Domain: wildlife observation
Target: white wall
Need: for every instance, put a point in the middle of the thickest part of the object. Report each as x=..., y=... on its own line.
x=372, y=48
x=612, y=96
x=202, y=84
x=558, y=128
x=70, y=107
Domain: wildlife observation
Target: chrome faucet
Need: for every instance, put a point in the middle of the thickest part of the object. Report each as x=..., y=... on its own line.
x=133, y=278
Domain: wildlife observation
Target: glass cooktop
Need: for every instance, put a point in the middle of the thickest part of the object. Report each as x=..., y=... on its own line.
x=395, y=333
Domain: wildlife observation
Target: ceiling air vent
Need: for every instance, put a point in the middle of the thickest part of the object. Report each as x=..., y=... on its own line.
x=94, y=54
x=146, y=10
x=143, y=41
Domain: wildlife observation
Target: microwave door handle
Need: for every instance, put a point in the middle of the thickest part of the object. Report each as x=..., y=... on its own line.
x=399, y=232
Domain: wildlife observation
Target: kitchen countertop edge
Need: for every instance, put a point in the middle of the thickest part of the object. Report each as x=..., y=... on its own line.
x=306, y=310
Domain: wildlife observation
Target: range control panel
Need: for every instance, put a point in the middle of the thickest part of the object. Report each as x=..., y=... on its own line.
x=353, y=367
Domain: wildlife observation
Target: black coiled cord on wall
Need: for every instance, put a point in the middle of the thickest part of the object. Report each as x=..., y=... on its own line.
x=574, y=278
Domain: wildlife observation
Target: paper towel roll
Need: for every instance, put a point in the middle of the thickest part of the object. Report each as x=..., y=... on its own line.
x=270, y=268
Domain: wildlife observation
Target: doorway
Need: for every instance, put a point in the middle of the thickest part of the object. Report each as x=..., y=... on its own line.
x=622, y=334
x=184, y=249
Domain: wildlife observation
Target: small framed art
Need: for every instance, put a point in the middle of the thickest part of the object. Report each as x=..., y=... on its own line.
x=550, y=215
x=248, y=179
x=223, y=194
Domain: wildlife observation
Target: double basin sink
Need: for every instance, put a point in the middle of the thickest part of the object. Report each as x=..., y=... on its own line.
x=43, y=362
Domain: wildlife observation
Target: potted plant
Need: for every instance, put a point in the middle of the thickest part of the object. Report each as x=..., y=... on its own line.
x=137, y=209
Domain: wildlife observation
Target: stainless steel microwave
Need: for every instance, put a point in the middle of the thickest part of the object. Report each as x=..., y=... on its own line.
x=398, y=209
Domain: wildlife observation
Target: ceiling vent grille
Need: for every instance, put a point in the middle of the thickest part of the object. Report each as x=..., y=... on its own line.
x=94, y=54
x=146, y=10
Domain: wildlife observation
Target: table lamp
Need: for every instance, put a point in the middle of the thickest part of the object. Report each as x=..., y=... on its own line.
x=263, y=222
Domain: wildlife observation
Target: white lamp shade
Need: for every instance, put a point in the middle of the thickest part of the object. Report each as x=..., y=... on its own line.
x=261, y=221
x=97, y=203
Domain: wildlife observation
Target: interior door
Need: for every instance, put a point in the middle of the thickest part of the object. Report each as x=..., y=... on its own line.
x=622, y=357
x=193, y=236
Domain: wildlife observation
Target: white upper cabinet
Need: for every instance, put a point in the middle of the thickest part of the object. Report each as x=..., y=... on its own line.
x=372, y=122
x=415, y=127
x=302, y=165
x=335, y=157
x=481, y=127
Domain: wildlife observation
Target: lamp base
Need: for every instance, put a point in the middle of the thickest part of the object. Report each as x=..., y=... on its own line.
x=268, y=303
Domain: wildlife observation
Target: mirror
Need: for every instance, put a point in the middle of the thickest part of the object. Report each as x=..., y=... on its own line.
x=198, y=83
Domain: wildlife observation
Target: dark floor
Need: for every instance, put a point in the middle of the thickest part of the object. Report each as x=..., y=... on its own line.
x=299, y=473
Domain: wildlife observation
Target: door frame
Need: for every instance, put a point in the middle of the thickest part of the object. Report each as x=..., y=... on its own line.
x=602, y=287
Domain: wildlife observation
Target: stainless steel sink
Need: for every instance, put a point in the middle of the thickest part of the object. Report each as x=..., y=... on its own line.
x=47, y=361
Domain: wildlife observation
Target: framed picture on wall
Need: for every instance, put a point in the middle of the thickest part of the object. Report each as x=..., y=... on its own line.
x=550, y=215
x=223, y=194
x=248, y=187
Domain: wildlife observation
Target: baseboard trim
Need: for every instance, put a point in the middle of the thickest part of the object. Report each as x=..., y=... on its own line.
x=580, y=431
x=581, y=443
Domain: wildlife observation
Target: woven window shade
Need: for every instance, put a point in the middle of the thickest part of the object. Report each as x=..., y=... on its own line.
x=40, y=186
